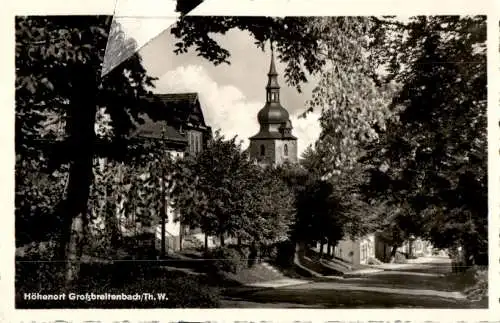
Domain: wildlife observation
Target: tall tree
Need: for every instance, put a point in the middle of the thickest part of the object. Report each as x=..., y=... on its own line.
x=270, y=208
x=218, y=175
x=58, y=68
x=435, y=156
x=352, y=101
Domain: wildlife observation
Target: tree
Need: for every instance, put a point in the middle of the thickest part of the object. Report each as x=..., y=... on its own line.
x=269, y=208
x=233, y=196
x=58, y=62
x=353, y=103
x=217, y=175
x=435, y=156
x=320, y=214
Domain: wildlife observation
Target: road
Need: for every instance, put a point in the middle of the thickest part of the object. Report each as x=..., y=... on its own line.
x=425, y=284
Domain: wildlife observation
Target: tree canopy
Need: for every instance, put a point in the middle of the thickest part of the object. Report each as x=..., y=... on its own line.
x=434, y=158
x=238, y=198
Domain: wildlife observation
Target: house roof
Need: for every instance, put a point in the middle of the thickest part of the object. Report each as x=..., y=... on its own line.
x=168, y=114
x=178, y=109
x=190, y=98
x=158, y=130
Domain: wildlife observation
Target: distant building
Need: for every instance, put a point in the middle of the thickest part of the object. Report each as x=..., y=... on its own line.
x=374, y=246
x=274, y=144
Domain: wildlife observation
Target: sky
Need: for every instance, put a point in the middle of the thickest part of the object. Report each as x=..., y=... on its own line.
x=230, y=95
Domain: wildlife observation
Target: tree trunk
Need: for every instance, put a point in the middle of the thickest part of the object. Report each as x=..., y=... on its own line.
x=181, y=235
x=329, y=248
x=74, y=250
x=222, y=242
x=81, y=138
x=321, y=246
x=254, y=253
x=163, y=211
x=206, y=242
x=393, y=253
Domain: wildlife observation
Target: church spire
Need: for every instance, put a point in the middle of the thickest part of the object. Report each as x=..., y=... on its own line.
x=272, y=87
x=272, y=68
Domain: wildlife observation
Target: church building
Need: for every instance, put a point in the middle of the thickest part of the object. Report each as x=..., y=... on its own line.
x=274, y=144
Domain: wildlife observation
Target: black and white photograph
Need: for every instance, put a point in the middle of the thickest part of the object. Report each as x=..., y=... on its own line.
x=319, y=162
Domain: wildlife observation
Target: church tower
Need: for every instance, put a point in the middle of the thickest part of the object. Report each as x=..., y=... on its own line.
x=274, y=144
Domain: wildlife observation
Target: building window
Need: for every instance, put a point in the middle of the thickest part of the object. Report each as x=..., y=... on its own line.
x=198, y=143
x=190, y=142
x=285, y=150
x=262, y=150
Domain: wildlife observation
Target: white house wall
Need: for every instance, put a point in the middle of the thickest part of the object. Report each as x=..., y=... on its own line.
x=345, y=250
x=356, y=251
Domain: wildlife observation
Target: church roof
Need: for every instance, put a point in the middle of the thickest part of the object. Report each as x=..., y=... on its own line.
x=272, y=113
x=265, y=134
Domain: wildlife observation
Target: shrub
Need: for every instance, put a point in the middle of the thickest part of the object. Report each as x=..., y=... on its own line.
x=400, y=258
x=244, y=252
x=182, y=290
x=34, y=269
x=285, y=254
x=480, y=288
x=189, y=292
x=224, y=259
x=34, y=276
x=373, y=261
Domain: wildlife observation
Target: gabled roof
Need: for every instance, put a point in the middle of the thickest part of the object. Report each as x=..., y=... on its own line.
x=158, y=130
x=178, y=109
x=190, y=98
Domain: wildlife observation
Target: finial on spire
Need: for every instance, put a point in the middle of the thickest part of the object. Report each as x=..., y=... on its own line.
x=272, y=68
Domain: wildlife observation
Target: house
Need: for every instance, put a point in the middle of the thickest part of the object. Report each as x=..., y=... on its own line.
x=177, y=121
x=358, y=251
x=374, y=247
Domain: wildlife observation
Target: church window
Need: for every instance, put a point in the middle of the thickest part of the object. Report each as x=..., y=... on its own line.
x=285, y=150
x=273, y=96
x=262, y=150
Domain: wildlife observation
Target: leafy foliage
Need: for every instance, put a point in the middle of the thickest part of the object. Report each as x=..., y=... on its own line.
x=435, y=157
x=36, y=197
x=234, y=196
x=353, y=104
x=58, y=69
x=320, y=213
x=53, y=54
x=229, y=260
